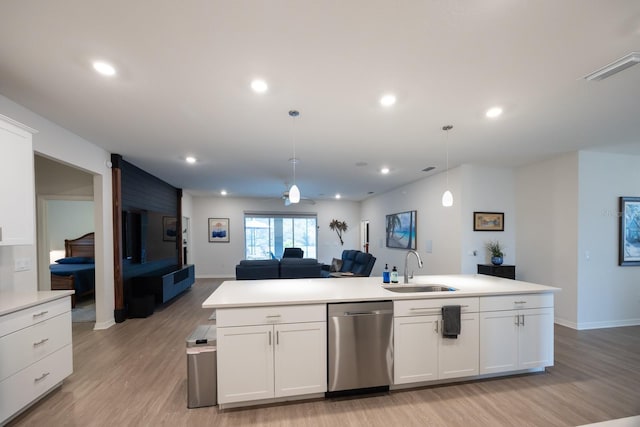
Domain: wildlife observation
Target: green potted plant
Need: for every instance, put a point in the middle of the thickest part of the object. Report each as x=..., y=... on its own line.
x=496, y=250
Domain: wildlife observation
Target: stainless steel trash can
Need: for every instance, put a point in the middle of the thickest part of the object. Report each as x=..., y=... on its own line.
x=201, y=367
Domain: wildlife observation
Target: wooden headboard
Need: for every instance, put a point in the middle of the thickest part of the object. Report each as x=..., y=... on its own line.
x=82, y=246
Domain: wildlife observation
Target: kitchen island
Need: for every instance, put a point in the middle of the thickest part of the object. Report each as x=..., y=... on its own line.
x=272, y=334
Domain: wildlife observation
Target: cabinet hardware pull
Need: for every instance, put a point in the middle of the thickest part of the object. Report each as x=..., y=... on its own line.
x=42, y=313
x=519, y=302
x=522, y=319
x=436, y=326
x=277, y=337
x=43, y=376
x=273, y=316
x=517, y=320
x=42, y=341
x=269, y=337
x=431, y=308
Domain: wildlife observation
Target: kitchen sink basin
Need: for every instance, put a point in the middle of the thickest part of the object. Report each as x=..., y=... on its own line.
x=419, y=288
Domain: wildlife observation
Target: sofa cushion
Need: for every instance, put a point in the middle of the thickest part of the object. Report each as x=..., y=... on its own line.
x=348, y=259
x=361, y=262
x=259, y=262
x=297, y=268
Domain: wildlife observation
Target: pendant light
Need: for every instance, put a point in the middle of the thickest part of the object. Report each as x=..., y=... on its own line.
x=294, y=191
x=447, y=197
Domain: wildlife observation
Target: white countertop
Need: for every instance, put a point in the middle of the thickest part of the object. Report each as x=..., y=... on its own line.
x=14, y=301
x=248, y=293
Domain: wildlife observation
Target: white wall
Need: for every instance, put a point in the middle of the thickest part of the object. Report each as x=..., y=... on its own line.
x=68, y=219
x=487, y=189
x=438, y=229
x=220, y=259
x=547, y=230
x=608, y=294
x=57, y=143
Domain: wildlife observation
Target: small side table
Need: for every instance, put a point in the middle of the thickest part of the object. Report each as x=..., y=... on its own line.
x=506, y=271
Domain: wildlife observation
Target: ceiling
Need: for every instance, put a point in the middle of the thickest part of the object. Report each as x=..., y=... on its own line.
x=184, y=71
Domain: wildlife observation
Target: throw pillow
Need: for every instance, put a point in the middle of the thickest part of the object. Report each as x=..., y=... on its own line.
x=336, y=265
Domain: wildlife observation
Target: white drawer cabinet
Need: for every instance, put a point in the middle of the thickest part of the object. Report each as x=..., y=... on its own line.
x=271, y=352
x=35, y=353
x=420, y=351
x=17, y=192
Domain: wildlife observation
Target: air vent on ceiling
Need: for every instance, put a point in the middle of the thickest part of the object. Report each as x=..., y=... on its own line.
x=615, y=67
x=428, y=168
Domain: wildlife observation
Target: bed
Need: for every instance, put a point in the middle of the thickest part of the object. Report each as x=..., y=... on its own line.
x=76, y=271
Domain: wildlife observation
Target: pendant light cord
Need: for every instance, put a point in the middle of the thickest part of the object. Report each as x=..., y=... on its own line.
x=447, y=128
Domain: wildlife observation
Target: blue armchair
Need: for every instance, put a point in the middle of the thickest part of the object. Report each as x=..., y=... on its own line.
x=293, y=253
x=354, y=261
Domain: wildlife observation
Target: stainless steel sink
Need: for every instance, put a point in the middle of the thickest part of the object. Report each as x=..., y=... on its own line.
x=419, y=288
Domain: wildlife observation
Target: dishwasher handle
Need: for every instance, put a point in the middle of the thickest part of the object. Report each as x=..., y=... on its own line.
x=362, y=313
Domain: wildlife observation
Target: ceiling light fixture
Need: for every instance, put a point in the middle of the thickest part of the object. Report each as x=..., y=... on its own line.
x=259, y=86
x=615, y=67
x=294, y=191
x=388, y=100
x=104, y=68
x=338, y=196
x=447, y=197
x=223, y=192
x=384, y=171
x=494, y=112
x=190, y=159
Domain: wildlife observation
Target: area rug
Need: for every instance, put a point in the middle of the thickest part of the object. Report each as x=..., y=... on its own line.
x=84, y=311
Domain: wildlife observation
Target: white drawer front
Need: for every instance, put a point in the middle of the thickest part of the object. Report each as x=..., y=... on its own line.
x=246, y=316
x=421, y=307
x=26, y=346
x=32, y=315
x=516, y=301
x=21, y=389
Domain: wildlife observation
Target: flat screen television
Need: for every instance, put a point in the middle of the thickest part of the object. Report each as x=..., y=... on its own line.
x=148, y=236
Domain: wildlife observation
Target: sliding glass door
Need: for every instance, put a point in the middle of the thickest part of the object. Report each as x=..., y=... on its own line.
x=266, y=235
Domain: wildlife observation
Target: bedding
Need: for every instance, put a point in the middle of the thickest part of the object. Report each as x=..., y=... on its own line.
x=84, y=275
x=76, y=271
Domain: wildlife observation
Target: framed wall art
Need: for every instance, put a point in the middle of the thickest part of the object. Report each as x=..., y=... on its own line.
x=629, y=250
x=169, y=228
x=488, y=221
x=401, y=230
x=219, y=230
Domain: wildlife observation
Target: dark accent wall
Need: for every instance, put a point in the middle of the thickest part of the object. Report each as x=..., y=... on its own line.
x=140, y=191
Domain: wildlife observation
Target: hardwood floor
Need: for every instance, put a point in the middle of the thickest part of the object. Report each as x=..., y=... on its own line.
x=134, y=374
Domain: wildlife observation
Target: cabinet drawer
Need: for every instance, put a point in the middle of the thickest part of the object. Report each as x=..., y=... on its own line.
x=515, y=302
x=417, y=307
x=32, y=315
x=26, y=346
x=246, y=316
x=21, y=389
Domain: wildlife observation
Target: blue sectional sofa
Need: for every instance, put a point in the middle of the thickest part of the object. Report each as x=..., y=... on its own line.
x=287, y=268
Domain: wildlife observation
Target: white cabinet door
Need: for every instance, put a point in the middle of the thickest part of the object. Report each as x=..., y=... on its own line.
x=516, y=339
x=300, y=358
x=498, y=341
x=245, y=363
x=415, y=355
x=459, y=357
x=535, y=343
x=17, y=191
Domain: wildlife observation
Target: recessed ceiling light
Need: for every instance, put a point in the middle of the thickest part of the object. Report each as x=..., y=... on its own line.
x=384, y=171
x=338, y=196
x=223, y=192
x=104, y=68
x=388, y=100
x=494, y=112
x=190, y=160
x=259, y=86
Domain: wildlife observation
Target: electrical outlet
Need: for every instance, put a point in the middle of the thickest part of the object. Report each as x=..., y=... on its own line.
x=22, y=264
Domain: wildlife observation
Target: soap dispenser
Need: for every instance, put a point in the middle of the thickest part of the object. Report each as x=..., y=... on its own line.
x=394, y=275
x=385, y=274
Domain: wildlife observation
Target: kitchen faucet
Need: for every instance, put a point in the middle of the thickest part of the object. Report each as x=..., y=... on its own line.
x=406, y=262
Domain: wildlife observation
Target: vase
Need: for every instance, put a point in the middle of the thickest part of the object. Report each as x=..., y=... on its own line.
x=496, y=260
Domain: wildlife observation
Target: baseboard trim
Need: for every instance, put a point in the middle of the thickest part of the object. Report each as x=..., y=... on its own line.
x=566, y=323
x=608, y=324
x=98, y=326
x=215, y=276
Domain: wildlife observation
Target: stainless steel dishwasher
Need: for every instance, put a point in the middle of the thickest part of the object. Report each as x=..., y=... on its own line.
x=360, y=345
